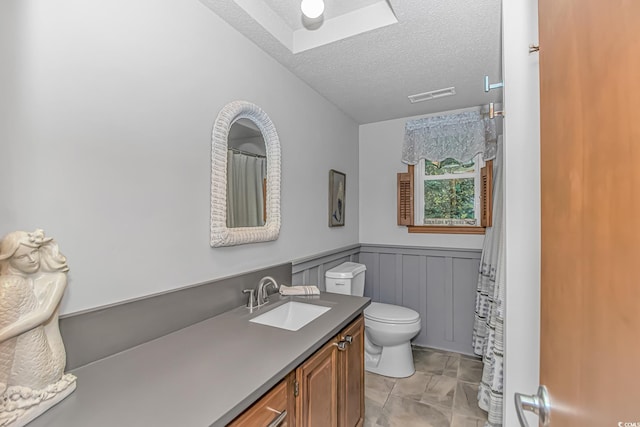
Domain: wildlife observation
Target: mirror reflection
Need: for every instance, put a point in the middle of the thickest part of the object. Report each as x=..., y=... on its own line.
x=246, y=175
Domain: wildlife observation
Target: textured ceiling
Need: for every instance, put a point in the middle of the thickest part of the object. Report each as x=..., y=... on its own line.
x=434, y=45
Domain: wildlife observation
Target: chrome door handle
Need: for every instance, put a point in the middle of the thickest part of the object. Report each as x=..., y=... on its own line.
x=279, y=419
x=538, y=404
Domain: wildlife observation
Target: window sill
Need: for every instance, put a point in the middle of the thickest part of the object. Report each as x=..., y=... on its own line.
x=444, y=229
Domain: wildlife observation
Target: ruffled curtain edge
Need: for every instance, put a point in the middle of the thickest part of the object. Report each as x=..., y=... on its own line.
x=460, y=136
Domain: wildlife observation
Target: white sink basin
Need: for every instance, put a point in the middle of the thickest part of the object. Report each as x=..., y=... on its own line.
x=291, y=316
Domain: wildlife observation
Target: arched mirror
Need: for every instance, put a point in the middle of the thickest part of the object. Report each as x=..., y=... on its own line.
x=245, y=176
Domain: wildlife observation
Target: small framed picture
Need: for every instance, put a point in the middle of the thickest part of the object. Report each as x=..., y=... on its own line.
x=337, y=187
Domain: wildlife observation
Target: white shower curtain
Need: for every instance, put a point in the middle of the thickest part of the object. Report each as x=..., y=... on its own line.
x=488, y=331
x=245, y=198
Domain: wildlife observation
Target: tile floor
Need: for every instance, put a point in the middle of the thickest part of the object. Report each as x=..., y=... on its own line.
x=442, y=393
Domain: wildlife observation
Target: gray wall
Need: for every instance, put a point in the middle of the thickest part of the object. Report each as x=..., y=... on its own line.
x=107, y=111
x=438, y=283
x=98, y=333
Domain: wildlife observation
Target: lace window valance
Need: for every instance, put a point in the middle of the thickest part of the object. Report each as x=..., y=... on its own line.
x=457, y=136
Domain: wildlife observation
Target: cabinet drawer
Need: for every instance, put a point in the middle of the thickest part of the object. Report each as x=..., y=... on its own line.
x=273, y=406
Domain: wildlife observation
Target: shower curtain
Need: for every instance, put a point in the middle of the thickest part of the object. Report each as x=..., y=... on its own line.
x=245, y=197
x=488, y=331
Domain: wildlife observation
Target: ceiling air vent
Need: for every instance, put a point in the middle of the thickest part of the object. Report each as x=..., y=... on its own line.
x=434, y=94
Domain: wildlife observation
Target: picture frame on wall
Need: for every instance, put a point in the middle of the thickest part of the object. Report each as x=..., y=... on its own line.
x=337, y=191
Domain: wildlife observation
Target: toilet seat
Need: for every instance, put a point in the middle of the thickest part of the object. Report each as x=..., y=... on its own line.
x=389, y=313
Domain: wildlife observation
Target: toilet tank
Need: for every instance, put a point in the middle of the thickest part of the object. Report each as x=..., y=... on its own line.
x=347, y=278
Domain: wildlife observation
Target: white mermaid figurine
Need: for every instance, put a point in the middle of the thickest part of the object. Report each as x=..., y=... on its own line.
x=33, y=277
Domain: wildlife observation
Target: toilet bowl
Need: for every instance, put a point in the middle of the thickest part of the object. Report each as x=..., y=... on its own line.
x=388, y=333
x=388, y=328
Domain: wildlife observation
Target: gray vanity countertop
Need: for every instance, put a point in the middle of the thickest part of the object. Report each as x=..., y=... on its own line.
x=202, y=375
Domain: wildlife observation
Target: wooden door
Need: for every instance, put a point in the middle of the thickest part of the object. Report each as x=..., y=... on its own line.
x=317, y=401
x=590, y=187
x=351, y=376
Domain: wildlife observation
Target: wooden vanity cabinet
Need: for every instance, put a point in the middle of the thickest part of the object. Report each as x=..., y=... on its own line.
x=331, y=382
x=351, y=376
x=326, y=390
x=276, y=408
x=317, y=380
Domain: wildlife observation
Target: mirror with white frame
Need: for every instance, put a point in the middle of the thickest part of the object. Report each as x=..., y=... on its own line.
x=245, y=193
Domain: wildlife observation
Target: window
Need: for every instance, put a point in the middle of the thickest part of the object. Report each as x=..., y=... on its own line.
x=448, y=193
x=446, y=197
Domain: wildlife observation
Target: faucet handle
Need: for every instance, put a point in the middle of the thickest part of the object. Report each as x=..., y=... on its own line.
x=251, y=302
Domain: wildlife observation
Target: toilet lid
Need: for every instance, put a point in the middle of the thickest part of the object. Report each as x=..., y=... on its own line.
x=388, y=313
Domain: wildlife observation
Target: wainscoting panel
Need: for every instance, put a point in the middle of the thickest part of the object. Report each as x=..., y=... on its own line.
x=310, y=270
x=440, y=284
x=371, y=278
x=435, y=318
x=414, y=297
x=387, y=277
x=465, y=277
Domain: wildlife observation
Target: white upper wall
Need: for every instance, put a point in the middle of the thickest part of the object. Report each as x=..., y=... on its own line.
x=379, y=158
x=107, y=110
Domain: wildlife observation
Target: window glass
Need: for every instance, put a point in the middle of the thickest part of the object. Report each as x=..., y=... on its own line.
x=449, y=198
x=448, y=166
x=450, y=193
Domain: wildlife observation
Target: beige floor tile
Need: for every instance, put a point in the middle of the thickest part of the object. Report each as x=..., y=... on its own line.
x=412, y=387
x=372, y=411
x=369, y=423
x=463, y=421
x=442, y=393
x=440, y=390
x=466, y=401
x=377, y=388
x=451, y=365
x=471, y=356
x=430, y=361
x=470, y=370
x=398, y=412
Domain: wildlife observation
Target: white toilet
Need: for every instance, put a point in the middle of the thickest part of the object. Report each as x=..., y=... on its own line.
x=388, y=328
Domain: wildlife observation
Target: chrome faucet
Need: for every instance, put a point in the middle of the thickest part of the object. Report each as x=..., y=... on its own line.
x=262, y=296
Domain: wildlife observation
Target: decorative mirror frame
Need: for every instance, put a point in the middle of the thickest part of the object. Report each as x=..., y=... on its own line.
x=221, y=235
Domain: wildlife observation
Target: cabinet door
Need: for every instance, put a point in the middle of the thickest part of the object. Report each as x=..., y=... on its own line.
x=317, y=401
x=276, y=408
x=351, y=376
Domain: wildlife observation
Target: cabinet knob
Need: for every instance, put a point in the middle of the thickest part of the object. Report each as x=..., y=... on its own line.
x=342, y=345
x=348, y=339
